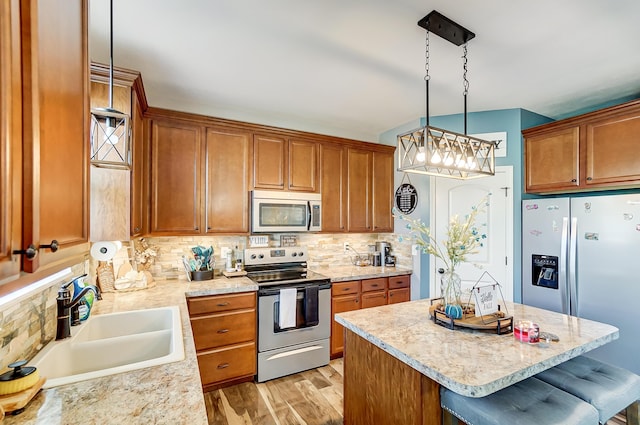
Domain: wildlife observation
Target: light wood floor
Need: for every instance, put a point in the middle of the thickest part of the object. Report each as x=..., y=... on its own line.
x=313, y=397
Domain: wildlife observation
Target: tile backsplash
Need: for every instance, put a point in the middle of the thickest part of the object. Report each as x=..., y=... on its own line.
x=30, y=322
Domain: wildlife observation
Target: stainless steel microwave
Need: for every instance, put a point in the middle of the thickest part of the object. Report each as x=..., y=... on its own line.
x=275, y=212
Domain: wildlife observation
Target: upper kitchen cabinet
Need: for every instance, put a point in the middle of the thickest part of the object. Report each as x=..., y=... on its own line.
x=10, y=138
x=333, y=187
x=55, y=130
x=356, y=183
x=176, y=177
x=359, y=184
x=106, y=184
x=594, y=151
x=227, y=180
x=382, y=192
x=199, y=175
x=281, y=163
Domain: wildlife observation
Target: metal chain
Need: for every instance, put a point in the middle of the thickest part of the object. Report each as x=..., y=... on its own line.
x=427, y=77
x=465, y=81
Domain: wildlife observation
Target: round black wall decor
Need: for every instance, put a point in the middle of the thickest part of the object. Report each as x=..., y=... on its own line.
x=406, y=198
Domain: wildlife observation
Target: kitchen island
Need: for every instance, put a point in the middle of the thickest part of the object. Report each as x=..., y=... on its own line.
x=396, y=359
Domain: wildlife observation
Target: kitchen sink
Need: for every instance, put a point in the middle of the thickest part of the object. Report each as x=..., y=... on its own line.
x=113, y=343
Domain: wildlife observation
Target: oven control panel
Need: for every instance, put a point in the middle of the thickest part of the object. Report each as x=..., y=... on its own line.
x=263, y=256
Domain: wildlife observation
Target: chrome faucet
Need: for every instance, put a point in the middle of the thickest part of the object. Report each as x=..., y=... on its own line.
x=65, y=304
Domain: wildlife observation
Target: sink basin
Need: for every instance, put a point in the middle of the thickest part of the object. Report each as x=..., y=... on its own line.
x=113, y=343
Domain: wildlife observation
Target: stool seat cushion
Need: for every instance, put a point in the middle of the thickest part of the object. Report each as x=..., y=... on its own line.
x=610, y=389
x=529, y=402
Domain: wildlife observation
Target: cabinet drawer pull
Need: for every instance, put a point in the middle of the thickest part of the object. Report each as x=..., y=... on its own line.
x=53, y=246
x=223, y=331
x=346, y=289
x=375, y=285
x=223, y=366
x=224, y=304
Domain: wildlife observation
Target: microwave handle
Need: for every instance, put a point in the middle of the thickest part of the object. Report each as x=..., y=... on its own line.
x=308, y=215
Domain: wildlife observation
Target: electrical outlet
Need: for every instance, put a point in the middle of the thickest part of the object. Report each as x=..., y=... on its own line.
x=346, y=247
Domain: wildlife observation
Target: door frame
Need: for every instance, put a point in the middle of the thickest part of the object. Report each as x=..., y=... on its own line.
x=433, y=281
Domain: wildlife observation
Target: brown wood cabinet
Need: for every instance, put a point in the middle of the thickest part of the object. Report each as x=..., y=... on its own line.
x=45, y=80
x=365, y=293
x=280, y=163
x=345, y=296
x=110, y=218
x=359, y=183
x=594, y=151
x=224, y=332
x=227, y=180
x=200, y=176
x=333, y=184
x=176, y=177
x=382, y=192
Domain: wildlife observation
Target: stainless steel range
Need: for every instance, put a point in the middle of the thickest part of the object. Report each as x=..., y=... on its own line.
x=294, y=311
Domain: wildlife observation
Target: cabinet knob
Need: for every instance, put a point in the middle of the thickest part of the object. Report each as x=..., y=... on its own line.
x=136, y=229
x=53, y=246
x=356, y=300
x=30, y=252
x=573, y=180
x=589, y=179
x=197, y=228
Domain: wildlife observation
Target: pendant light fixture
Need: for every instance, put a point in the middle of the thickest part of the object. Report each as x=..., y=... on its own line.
x=435, y=151
x=109, y=127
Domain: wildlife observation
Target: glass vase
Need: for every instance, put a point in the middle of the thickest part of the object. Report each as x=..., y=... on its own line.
x=451, y=288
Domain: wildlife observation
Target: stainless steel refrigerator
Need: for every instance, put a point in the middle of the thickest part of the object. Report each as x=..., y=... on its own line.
x=581, y=256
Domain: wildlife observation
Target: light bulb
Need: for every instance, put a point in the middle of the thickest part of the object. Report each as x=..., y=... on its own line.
x=436, y=158
x=420, y=156
x=448, y=160
x=110, y=135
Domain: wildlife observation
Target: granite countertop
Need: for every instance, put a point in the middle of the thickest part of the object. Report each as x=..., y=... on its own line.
x=346, y=273
x=473, y=363
x=166, y=394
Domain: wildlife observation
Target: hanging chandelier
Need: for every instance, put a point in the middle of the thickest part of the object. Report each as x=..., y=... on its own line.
x=435, y=151
x=109, y=134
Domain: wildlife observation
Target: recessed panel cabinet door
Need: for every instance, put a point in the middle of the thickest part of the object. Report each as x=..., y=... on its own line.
x=359, y=190
x=552, y=161
x=333, y=166
x=10, y=138
x=269, y=162
x=227, y=177
x=612, y=151
x=55, y=73
x=382, y=192
x=176, y=152
x=303, y=166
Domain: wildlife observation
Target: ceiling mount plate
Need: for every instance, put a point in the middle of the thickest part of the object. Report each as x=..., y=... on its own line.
x=444, y=27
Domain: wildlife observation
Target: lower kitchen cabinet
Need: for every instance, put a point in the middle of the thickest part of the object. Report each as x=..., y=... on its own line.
x=366, y=293
x=224, y=332
x=345, y=296
x=399, y=289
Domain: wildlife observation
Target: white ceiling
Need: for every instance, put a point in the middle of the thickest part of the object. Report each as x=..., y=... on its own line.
x=355, y=68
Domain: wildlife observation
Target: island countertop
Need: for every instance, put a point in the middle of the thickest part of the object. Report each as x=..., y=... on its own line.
x=469, y=362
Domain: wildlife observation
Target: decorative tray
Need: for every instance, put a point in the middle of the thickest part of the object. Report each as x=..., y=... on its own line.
x=497, y=322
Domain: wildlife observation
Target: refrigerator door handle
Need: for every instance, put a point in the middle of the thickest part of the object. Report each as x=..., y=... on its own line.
x=573, y=252
x=562, y=266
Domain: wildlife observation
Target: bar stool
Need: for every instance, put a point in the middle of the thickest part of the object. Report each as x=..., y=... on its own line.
x=610, y=389
x=529, y=402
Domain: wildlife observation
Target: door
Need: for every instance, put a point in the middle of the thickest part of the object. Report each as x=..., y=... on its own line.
x=333, y=164
x=496, y=255
x=227, y=181
x=608, y=242
x=359, y=190
x=545, y=232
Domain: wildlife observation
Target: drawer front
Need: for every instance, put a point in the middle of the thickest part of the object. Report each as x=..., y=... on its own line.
x=399, y=295
x=374, y=299
x=397, y=282
x=379, y=284
x=220, y=303
x=227, y=363
x=345, y=288
x=224, y=329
